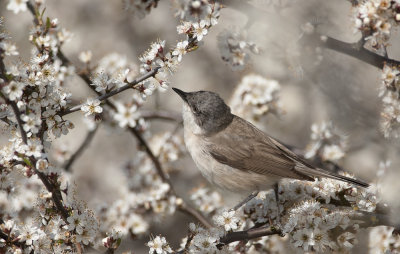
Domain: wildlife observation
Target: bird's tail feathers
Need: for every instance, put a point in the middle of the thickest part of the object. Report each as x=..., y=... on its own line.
x=324, y=173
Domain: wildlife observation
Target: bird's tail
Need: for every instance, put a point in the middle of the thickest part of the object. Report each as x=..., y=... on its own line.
x=324, y=173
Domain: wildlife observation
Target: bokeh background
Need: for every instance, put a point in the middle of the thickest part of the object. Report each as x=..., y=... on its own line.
x=316, y=85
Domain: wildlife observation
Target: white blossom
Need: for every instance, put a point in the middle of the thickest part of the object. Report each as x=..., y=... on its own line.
x=255, y=97
x=92, y=106
x=159, y=245
x=85, y=56
x=228, y=220
x=14, y=90
x=9, y=48
x=17, y=5
x=180, y=50
x=199, y=30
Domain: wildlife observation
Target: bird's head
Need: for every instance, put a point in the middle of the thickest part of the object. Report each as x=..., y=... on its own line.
x=204, y=112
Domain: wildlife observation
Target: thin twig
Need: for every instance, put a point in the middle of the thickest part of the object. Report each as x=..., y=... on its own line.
x=81, y=149
x=244, y=201
x=162, y=115
x=151, y=155
x=17, y=115
x=113, y=92
x=194, y=213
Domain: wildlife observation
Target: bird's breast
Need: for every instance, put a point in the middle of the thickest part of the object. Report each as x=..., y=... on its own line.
x=222, y=175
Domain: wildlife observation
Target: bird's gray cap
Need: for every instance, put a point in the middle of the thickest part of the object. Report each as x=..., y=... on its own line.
x=210, y=111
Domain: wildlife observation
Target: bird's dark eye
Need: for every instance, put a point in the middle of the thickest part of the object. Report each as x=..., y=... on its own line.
x=195, y=110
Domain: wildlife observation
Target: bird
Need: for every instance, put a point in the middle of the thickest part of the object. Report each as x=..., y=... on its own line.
x=233, y=154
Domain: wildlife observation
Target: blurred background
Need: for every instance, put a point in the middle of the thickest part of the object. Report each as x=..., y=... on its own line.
x=316, y=85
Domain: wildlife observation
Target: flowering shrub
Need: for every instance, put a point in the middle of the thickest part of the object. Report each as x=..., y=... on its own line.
x=41, y=209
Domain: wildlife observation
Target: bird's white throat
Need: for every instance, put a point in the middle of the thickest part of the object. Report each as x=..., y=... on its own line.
x=189, y=121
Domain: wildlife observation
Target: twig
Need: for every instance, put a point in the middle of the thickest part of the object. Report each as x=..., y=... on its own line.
x=182, y=207
x=5, y=237
x=32, y=9
x=194, y=213
x=162, y=115
x=248, y=234
x=81, y=149
x=113, y=92
x=360, y=53
x=17, y=115
x=244, y=201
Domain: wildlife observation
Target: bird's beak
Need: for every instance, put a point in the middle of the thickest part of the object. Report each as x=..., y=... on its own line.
x=181, y=93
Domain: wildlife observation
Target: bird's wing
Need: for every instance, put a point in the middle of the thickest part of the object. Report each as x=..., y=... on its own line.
x=241, y=145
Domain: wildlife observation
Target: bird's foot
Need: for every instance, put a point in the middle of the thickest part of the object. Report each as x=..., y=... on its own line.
x=244, y=201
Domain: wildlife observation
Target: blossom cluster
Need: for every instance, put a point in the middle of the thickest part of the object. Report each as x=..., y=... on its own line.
x=327, y=142
x=46, y=231
x=140, y=8
x=166, y=62
x=389, y=92
x=383, y=240
x=196, y=10
x=314, y=216
x=375, y=18
x=256, y=96
x=235, y=49
x=112, y=71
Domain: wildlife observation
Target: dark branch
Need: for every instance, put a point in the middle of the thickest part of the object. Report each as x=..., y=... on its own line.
x=360, y=53
x=5, y=237
x=19, y=120
x=151, y=155
x=248, y=234
x=81, y=149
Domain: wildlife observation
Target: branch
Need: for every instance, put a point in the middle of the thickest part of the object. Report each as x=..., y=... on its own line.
x=81, y=149
x=182, y=207
x=5, y=237
x=113, y=92
x=56, y=194
x=360, y=53
x=248, y=234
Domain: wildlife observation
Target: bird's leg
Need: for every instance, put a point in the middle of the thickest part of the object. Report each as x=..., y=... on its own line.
x=244, y=201
x=278, y=216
